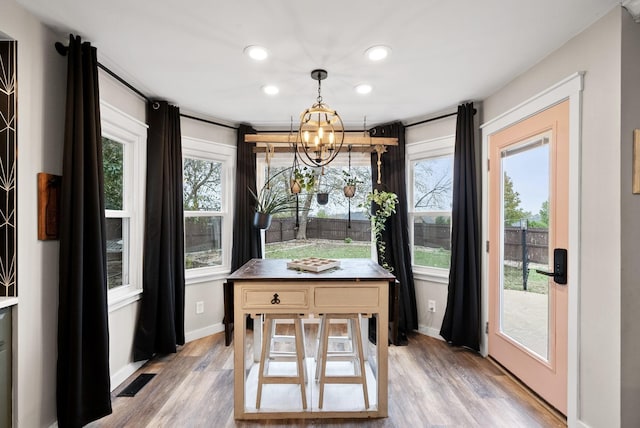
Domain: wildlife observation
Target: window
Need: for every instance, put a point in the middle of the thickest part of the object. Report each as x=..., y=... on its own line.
x=124, y=160
x=324, y=230
x=208, y=227
x=430, y=189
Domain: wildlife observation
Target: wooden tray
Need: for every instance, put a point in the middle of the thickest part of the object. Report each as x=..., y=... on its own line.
x=313, y=264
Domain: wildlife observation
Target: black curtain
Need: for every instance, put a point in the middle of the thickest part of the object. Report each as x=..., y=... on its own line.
x=83, y=385
x=161, y=320
x=246, y=238
x=396, y=234
x=461, y=323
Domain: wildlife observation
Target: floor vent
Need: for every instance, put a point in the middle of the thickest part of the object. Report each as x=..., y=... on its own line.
x=136, y=385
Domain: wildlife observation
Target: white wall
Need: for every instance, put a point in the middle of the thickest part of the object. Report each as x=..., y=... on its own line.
x=429, y=289
x=41, y=100
x=596, y=51
x=630, y=239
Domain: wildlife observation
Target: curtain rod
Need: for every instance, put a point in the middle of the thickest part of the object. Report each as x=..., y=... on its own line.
x=62, y=50
x=437, y=118
x=432, y=119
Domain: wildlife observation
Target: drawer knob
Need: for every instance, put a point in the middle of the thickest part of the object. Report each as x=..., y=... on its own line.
x=275, y=300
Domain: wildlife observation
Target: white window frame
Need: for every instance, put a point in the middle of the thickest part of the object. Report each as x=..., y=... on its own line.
x=195, y=148
x=122, y=128
x=416, y=152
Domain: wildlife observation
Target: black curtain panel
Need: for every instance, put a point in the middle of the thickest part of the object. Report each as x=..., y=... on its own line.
x=461, y=323
x=161, y=319
x=83, y=385
x=246, y=238
x=396, y=234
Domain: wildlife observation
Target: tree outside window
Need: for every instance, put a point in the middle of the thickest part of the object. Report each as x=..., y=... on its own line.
x=202, y=194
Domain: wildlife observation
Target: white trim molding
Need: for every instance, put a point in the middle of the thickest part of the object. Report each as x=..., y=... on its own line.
x=203, y=332
x=570, y=89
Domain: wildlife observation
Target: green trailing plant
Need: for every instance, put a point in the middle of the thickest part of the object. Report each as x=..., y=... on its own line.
x=349, y=179
x=384, y=204
x=305, y=178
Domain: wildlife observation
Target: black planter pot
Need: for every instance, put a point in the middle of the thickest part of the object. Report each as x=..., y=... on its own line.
x=261, y=220
x=322, y=198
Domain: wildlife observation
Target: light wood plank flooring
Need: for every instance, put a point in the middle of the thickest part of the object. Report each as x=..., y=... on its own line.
x=431, y=384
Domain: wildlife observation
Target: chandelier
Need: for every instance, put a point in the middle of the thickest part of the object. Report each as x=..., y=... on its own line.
x=321, y=131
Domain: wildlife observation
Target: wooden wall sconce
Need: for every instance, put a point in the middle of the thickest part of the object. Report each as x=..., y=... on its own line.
x=49, y=186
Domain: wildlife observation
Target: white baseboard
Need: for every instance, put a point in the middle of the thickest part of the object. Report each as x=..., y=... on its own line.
x=580, y=424
x=203, y=332
x=122, y=374
x=430, y=331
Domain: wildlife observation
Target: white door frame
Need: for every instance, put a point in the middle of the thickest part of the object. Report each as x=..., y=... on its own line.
x=569, y=88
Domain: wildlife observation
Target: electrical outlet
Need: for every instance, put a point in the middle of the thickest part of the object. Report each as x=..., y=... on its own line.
x=199, y=307
x=431, y=305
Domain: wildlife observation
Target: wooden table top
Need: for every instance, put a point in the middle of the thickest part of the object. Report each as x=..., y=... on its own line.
x=276, y=269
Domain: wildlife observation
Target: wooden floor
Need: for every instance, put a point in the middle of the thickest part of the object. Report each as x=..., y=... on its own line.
x=430, y=385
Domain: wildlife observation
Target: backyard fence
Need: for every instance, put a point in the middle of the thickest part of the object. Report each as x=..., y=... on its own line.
x=430, y=235
x=536, y=243
x=283, y=229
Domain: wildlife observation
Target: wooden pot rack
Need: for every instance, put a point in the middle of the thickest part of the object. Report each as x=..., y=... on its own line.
x=284, y=142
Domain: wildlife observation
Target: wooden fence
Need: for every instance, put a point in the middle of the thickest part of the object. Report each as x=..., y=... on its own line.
x=425, y=235
x=283, y=229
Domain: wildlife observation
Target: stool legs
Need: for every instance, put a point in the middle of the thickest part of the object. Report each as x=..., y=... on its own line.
x=301, y=372
x=357, y=356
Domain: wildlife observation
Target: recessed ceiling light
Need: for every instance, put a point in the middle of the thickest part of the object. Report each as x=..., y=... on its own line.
x=363, y=88
x=377, y=53
x=257, y=53
x=270, y=89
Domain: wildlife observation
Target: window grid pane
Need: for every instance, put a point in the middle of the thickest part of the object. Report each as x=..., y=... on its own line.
x=117, y=252
x=113, y=166
x=203, y=241
x=202, y=185
x=432, y=201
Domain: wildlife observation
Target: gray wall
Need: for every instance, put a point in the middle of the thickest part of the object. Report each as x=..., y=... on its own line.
x=597, y=52
x=629, y=217
x=40, y=132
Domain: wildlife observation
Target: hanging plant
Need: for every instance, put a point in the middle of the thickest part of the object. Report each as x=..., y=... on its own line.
x=384, y=205
x=350, y=183
x=302, y=180
x=322, y=198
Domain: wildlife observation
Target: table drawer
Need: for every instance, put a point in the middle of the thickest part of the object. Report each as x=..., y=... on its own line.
x=274, y=298
x=346, y=297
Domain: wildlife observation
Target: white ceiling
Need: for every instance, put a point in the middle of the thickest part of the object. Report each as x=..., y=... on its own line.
x=444, y=52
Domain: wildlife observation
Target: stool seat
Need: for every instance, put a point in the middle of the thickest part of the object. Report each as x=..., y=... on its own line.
x=355, y=354
x=268, y=354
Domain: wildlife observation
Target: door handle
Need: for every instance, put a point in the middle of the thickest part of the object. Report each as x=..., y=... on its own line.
x=559, y=273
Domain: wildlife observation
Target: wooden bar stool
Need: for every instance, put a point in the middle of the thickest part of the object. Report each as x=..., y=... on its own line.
x=354, y=355
x=270, y=354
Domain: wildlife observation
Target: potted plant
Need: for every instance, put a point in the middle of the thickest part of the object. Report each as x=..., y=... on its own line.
x=383, y=205
x=302, y=180
x=270, y=201
x=350, y=183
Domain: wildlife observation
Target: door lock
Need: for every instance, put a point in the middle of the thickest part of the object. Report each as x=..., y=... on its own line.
x=559, y=273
